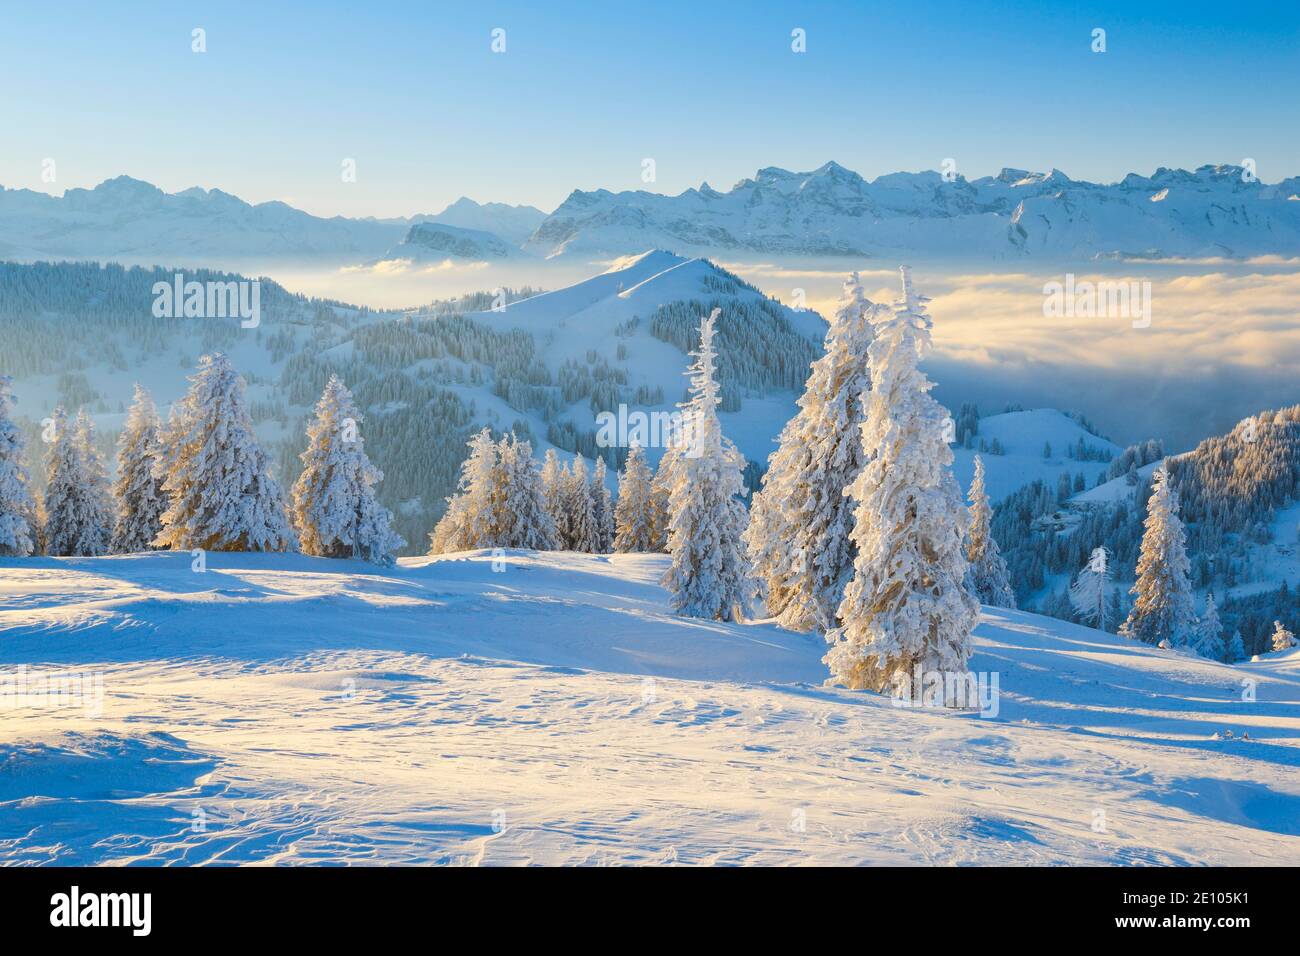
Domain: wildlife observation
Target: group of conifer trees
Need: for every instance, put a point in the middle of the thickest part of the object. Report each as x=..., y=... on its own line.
x=858, y=531
x=198, y=481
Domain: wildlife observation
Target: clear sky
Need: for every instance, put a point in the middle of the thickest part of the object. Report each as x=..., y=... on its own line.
x=584, y=92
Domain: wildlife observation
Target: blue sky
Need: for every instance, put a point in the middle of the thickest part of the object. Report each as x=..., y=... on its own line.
x=583, y=93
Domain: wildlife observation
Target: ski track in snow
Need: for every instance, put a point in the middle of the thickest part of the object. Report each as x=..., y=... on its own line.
x=282, y=709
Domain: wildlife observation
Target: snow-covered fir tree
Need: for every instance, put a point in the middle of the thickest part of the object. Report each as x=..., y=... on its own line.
x=467, y=523
x=78, y=513
x=1088, y=595
x=1162, y=606
x=988, y=571
x=603, y=508
x=222, y=495
x=137, y=487
x=98, y=491
x=1236, y=649
x=18, y=536
x=583, y=532
x=527, y=522
x=1282, y=639
x=334, y=507
x=908, y=605
x=1209, y=633
x=634, y=515
x=709, y=573
x=660, y=488
x=554, y=483
x=799, y=538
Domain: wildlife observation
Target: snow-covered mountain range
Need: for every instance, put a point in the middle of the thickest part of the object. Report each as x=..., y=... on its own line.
x=130, y=221
x=1214, y=211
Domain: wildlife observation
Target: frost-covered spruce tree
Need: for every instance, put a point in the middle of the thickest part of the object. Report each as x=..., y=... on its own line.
x=603, y=507
x=334, y=507
x=709, y=574
x=1162, y=608
x=1088, y=592
x=799, y=537
x=527, y=522
x=17, y=507
x=554, y=494
x=1209, y=633
x=908, y=606
x=137, y=488
x=1283, y=640
x=222, y=495
x=1236, y=649
x=988, y=570
x=580, y=509
x=660, y=487
x=97, y=490
x=467, y=523
x=634, y=514
x=78, y=513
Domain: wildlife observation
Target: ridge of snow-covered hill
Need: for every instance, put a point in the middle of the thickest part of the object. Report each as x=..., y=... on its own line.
x=1213, y=211
x=611, y=315
x=552, y=709
x=546, y=366
x=1024, y=437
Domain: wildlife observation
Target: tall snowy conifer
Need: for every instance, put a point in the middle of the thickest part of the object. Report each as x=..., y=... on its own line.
x=77, y=509
x=18, y=535
x=554, y=482
x=1162, y=608
x=709, y=574
x=603, y=507
x=138, y=489
x=908, y=606
x=222, y=495
x=580, y=509
x=799, y=537
x=335, y=510
x=988, y=570
x=1209, y=633
x=660, y=487
x=467, y=523
x=97, y=491
x=1088, y=592
x=526, y=520
x=634, y=514
x=1236, y=649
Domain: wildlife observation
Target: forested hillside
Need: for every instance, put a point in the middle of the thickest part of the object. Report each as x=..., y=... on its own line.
x=81, y=335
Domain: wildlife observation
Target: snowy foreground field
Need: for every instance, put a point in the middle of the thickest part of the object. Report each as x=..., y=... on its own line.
x=283, y=709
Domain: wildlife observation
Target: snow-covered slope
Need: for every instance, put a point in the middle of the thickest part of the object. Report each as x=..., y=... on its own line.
x=834, y=211
x=286, y=709
x=613, y=310
x=1024, y=437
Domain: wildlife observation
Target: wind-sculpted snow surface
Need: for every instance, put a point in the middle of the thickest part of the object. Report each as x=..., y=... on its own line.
x=286, y=709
